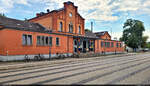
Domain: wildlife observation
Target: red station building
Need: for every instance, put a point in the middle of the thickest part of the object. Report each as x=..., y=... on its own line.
x=55, y=32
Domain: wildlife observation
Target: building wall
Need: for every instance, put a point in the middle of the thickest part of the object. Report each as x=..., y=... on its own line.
x=2, y=47
x=106, y=36
x=46, y=21
x=99, y=48
x=62, y=16
x=12, y=40
x=12, y=44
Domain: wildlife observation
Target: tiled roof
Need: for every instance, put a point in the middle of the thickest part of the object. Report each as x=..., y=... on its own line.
x=101, y=33
x=20, y=25
x=90, y=34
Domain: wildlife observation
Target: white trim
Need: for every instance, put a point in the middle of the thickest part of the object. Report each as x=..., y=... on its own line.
x=22, y=57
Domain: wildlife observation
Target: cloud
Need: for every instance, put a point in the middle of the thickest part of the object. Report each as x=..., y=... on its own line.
x=23, y=2
x=128, y=5
x=119, y=34
x=146, y=33
x=102, y=10
x=7, y=5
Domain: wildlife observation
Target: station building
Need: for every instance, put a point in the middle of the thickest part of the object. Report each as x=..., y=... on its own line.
x=54, y=32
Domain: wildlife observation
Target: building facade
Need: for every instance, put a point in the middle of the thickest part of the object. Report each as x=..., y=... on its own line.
x=55, y=32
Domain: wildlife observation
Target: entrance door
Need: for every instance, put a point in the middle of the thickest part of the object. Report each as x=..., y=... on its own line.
x=75, y=46
x=84, y=46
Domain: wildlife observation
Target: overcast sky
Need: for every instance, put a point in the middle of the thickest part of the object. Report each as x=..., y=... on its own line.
x=107, y=15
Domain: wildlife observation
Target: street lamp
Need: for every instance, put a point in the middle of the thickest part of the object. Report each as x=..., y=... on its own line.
x=115, y=38
x=49, y=52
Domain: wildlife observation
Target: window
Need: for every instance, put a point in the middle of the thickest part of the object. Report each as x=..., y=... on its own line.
x=108, y=44
x=71, y=27
x=117, y=45
x=120, y=45
x=38, y=40
x=112, y=44
x=70, y=14
x=57, y=41
x=102, y=44
x=105, y=44
x=29, y=40
x=44, y=40
x=26, y=39
x=92, y=44
x=50, y=41
x=60, y=26
x=79, y=30
x=75, y=42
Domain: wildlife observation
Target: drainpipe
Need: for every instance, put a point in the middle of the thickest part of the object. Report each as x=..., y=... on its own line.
x=7, y=52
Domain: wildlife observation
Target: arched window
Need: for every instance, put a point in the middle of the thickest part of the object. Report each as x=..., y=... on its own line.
x=71, y=27
x=60, y=26
x=79, y=30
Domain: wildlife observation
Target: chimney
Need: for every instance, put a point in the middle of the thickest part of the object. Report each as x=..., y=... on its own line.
x=37, y=14
x=91, y=26
x=48, y=10
x=68, y=3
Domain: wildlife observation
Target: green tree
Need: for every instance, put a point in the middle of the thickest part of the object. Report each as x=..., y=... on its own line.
x=2, y=14
x=133, y=32
x=148, y=45
x=144, y=41
x=87, y=30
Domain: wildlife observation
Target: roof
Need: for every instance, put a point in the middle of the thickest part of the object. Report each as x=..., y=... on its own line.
x=20, y=25
x=43, y=14
x=101, y=33
x=90, y=34
x=56, y=10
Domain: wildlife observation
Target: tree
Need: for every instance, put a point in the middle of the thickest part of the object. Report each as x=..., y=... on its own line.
x=132, y=34
x=2, y=14
x=144, y=41
x=87, y=30
x=148, y=45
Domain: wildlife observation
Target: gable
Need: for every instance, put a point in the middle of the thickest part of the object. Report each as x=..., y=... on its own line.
x=103, y=35
x=106, y=35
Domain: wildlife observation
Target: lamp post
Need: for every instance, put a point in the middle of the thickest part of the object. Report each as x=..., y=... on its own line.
x=115, y=38
x=49, y=52
x=104, y=45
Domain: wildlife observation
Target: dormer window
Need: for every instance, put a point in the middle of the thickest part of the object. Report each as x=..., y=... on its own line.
x=70, y=14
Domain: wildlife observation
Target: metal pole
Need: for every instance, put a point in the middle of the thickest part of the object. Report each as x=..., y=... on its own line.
x=104, y=45
x=49, y=52
x=91, y=26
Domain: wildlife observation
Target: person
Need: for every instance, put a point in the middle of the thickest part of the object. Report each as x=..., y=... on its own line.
x=127, y=50
x=79, y=49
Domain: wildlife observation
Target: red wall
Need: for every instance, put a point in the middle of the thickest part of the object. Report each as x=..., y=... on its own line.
x=52, y=20
x=12, y=43
x=2, y=47
x=98, y=47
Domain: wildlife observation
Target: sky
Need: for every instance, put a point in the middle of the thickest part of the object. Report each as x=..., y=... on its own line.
x=106, y=15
